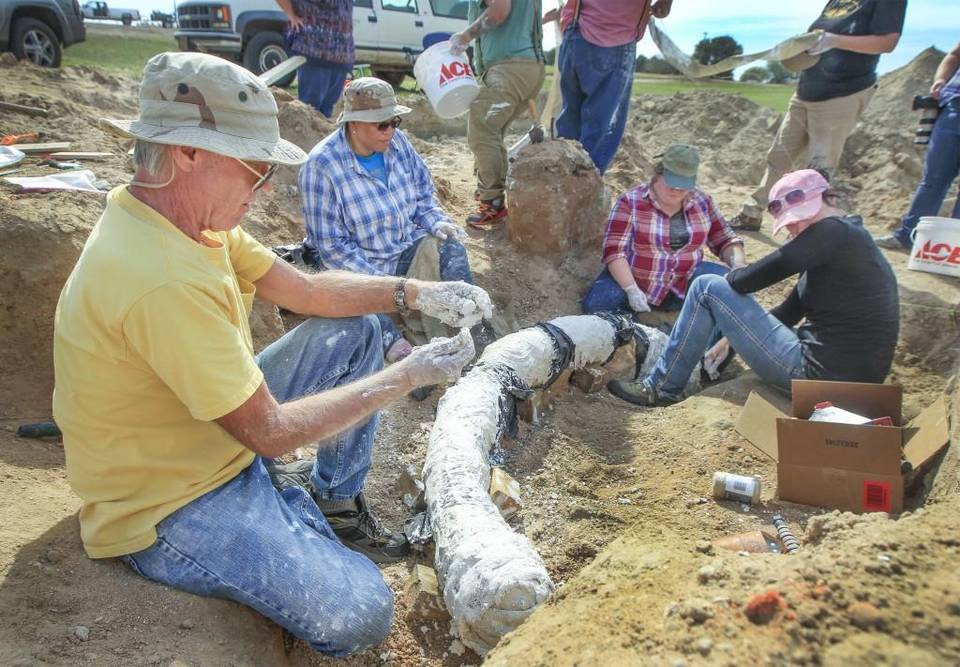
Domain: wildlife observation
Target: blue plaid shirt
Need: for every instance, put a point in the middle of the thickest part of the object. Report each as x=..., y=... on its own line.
x=951, y=90
x=354, y=221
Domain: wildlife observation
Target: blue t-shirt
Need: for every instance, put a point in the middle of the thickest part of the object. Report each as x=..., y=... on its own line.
x=374, y=165
x=951, y=91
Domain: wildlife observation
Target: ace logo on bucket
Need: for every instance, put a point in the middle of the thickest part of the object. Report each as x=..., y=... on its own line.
x=936, y=246
x=939, y=253
x=453, y=70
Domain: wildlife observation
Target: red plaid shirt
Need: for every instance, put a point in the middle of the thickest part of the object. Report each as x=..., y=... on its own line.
x=639, y=232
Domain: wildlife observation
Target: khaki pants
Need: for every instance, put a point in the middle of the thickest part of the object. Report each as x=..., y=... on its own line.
x=811, y=135
x=504, y=90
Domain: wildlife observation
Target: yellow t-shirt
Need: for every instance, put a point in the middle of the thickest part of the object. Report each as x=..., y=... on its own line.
x=151, y=344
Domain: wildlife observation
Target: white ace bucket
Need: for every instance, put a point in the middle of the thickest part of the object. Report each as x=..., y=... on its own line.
x=936, y=246
x=446, y=79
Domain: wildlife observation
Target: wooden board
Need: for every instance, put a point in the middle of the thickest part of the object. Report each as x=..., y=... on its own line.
x=50, y=147
x=93, y=157
x=271, y=76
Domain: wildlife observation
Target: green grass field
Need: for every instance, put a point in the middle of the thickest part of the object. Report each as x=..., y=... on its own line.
x=127, y=49
x=118, y=48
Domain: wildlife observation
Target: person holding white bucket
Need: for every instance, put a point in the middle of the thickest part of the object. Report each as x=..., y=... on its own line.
x=846, y=296
x=508, y=55
x=942, y=163
x=369, y=205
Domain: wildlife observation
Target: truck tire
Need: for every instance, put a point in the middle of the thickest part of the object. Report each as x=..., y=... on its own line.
x=35, y=41
x=393, y=77
x=264, y=51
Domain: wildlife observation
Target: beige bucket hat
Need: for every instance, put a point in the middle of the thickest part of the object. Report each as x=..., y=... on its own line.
x=370, y=100
x=200, y=100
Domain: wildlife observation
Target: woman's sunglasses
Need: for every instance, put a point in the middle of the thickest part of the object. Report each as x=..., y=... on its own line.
x=790, y=199
x=262, y=176
x=393, y=123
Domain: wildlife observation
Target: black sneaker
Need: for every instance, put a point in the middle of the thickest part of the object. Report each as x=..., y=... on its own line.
x=638, y=393
x=287, y=475
x=362, y=531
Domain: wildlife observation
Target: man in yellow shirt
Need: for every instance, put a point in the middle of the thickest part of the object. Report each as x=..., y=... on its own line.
x=167, y=415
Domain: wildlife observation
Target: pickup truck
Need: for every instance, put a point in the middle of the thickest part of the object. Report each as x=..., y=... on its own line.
x=39, y=30
x=97, y=9
x=388, y=34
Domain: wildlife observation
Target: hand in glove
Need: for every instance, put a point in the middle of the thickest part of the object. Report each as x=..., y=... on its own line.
x=440, y=361
x=459, y=43
x=827, y=41
x=456, y=304
x=637, y=299
x=446, y=230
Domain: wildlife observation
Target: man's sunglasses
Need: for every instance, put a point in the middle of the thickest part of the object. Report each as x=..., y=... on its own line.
x=790, y=199
x=262, y=176
x=393, y=123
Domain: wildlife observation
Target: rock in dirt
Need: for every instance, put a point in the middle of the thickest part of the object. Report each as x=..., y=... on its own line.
x=865, y=616
x=761, y=608
x=704, y=645
x=81, y=632
x=696, y=611
x=556, y=199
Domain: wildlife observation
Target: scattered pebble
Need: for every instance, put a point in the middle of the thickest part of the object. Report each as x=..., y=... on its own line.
x=624, y=500
x=704, y=646
x=81, y=632
x=865, y=616
x=186, y=624
x=706, y=573
x=761, y=608
x=704, y=547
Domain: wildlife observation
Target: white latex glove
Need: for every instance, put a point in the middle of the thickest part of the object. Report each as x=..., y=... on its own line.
x=456, y=304
x=827, y=41
x=459, y=43
x=637, y=299
x=440, y=361
x=446, y=230
x=715, y=356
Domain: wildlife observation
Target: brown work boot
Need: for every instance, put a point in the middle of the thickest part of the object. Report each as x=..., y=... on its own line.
x=490, y=214
x=745, y=223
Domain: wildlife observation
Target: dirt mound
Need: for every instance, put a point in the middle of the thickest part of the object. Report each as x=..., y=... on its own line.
x=732, y=133
x=613, y=496
x=881, y=166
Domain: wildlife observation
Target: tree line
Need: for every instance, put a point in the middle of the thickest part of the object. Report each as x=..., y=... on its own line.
x=708, y=51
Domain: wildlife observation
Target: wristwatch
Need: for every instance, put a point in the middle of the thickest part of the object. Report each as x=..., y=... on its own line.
x=400, y=297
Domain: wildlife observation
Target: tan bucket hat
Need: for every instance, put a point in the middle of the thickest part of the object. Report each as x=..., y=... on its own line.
x=370, y=100
x=200, y=100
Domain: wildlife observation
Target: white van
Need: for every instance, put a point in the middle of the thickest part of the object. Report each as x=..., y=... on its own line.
x=388, y=34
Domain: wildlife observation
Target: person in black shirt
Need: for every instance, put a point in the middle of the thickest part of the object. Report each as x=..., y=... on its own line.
x=831, y=95
x=847, y=295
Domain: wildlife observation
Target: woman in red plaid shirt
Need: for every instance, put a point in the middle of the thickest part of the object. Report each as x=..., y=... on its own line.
x=655, y=240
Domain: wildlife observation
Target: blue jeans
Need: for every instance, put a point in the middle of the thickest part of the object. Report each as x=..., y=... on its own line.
x=274, y=551
x=941, y=166
x=606, y=295
x=453, y=266
x=769, y=347
x=320, y=84
x=596, y=82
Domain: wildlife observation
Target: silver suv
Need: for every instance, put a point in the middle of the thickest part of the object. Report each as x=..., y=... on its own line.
x=39, y=30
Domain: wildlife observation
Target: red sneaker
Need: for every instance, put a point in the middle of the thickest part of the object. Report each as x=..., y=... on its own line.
x=490, y=214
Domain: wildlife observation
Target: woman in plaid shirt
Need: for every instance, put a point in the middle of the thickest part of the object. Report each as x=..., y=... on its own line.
x=655, y=239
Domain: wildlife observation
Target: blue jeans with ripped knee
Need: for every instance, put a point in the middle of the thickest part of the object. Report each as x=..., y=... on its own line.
x=767, y=345
x=274, y=551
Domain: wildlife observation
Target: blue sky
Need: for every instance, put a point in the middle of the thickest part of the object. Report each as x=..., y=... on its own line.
x=758, y=24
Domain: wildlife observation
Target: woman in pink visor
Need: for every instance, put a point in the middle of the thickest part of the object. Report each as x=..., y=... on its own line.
x=845, y=303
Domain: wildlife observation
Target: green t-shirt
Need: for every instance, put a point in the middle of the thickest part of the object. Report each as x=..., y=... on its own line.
x=519, y=37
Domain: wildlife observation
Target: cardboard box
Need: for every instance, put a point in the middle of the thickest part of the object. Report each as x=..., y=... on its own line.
x=844, y=466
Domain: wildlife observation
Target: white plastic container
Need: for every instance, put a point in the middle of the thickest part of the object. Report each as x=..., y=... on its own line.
x=828, y=412
x=936, y=246
x=728, y=486
x=446, y=79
